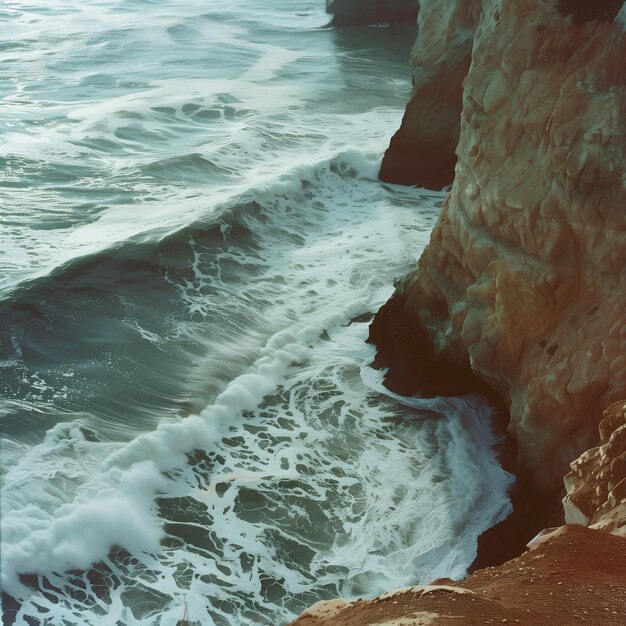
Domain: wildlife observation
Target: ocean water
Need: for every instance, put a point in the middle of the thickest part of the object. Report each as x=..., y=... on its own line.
x=193, y=241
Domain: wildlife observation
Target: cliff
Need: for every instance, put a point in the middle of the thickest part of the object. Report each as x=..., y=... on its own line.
x=422, y=152
x=523, y=280
x=366, y=12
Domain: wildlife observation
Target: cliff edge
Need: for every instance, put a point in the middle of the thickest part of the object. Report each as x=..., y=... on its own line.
x=523, y=281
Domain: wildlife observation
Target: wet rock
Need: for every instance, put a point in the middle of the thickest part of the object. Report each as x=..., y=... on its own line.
x=422, y=151
x=365, y=12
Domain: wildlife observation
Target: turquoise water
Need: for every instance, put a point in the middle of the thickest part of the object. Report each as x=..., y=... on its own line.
x=193, y=241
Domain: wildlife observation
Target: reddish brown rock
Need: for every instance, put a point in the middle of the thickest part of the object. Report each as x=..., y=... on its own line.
x=524, y=277
x=576, y=576
x=422, y=151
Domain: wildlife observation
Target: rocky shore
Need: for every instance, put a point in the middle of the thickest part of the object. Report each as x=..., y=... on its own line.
x=521, y=294
x=366, y=12
x=547, y=585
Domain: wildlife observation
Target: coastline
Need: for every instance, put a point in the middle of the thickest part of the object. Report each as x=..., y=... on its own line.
x=519, y=295
x=544, y=586
x=246, y=371
x=408, y=355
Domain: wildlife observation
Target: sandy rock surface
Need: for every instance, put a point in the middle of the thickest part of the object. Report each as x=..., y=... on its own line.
x=575, y=577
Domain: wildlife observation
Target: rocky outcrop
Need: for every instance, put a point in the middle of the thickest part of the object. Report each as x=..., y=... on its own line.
x=422, y=152
x=365, y=12
x=596, y=486
x=575, y=576
x=524, y=277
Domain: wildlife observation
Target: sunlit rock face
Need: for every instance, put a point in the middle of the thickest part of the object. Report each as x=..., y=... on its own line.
x=524, y=276
x=422, y=151
x=596, y=486
x=364, y=12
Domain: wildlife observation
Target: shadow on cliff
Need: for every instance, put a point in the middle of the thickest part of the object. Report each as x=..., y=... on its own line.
x=364, y=12
x=414, y=367
x=588, y=10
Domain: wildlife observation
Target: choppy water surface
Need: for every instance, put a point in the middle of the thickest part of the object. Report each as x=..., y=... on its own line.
x=192, y=243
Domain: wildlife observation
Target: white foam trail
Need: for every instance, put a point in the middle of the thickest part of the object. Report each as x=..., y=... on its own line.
x=404, y=503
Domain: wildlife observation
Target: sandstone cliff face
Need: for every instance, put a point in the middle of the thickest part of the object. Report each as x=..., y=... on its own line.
x=524, y=278
x=363, y=12
x=422, y=151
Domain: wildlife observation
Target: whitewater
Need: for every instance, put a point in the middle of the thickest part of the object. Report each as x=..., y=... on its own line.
x=193, y=242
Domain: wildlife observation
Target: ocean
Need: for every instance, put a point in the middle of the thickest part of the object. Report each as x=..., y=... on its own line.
x=193, y=241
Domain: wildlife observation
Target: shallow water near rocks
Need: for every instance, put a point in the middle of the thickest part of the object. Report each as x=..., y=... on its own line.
x=193, y=242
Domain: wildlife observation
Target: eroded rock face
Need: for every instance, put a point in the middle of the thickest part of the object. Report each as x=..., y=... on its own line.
x=422, y=151
x=596, y=486
x=364, y=12
x=524, y=284
x=524, y=278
